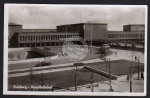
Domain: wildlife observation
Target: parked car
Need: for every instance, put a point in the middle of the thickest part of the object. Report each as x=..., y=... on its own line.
x=44, y=63
x=79, y=64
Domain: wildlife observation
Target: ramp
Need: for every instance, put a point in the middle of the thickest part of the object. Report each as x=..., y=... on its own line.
x=105, y=74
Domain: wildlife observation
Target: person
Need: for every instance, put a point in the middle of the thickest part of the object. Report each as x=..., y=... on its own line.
x=142, y=76
x=135, y=58
x=116, y=53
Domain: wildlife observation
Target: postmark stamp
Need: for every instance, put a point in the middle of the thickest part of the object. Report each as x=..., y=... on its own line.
x=75, y=52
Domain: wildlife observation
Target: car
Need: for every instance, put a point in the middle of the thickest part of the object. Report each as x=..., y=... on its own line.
x=44, y=63
x=79, y=64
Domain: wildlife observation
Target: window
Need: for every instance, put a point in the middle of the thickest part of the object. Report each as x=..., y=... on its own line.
x=31, y=38
x=28, y=37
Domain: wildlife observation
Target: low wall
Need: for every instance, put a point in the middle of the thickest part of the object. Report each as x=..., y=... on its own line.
x=44, y=52
x=16, y=54
x=100, y=72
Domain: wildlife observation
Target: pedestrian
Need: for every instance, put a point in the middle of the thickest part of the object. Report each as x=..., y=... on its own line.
x=142, y=76
x=116, y=53
x=135, y=58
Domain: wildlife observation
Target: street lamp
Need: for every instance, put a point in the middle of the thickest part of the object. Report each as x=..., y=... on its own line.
x=66, y=31
x=130, y=71
x=91, y=36
x=138, y=68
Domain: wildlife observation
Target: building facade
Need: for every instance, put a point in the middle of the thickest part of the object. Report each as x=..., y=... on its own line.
x=12, y=36
x=19, y=37
x=130, y=33
x=134, y=27
x=126, y=36
x=38, y=39
x=89, y=31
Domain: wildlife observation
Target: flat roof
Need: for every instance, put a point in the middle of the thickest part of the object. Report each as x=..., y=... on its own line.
x=84, y=24
x=134, y=25
x=14, y=24
x=55, y=33
x=124, y=32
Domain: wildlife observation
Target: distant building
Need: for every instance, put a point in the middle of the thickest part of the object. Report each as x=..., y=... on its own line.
x=134, y=27
x=126, y=36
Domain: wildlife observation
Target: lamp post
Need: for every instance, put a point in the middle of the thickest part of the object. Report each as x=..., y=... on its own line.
x=138, y=68
x=130, y=71
x=66, y=31
x=91, y=35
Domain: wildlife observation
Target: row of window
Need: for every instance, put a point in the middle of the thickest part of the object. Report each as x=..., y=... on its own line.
x=44, y=37
x=138, y=28
x=125, y=35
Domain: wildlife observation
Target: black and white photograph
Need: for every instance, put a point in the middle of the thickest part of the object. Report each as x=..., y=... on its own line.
x=62, y=49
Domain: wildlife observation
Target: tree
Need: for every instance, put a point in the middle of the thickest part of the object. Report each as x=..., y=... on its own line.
x=31, y=76
x=42, y=81
x=91, y=80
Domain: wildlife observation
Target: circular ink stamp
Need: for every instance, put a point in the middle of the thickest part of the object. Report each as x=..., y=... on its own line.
x=75, y=52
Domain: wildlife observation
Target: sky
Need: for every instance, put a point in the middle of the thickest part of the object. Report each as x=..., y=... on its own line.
x=49, y=16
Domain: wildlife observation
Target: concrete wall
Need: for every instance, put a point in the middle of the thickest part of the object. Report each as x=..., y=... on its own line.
x=100, y=72
x=16, y=54
x=44, y=52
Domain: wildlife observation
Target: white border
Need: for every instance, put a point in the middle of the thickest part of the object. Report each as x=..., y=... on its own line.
x=5, y=70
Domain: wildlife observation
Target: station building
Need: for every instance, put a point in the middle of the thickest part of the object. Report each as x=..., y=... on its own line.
x=19, y=37
x=131, y=33
x=92, y=30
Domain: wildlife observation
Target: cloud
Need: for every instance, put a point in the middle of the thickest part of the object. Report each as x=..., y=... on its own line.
x=49, y=16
